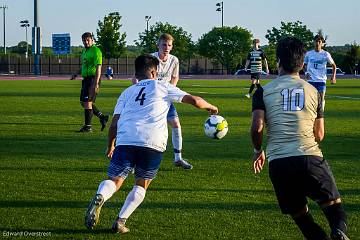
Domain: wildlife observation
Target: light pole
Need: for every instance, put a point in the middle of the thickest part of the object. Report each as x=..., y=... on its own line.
x=220, y=8
x=25, y=24
x=147, y=19
x=4, y=7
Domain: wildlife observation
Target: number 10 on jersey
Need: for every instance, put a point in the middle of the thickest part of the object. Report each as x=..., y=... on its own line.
x=293, y=99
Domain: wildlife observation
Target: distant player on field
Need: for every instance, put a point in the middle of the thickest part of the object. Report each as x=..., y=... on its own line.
x=315, y=64
x=255, y=59
x=291, y=109
x=168, y=71
x=91, y=61
x=139, y=128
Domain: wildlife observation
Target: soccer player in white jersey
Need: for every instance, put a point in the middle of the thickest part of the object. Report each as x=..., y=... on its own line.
x=315, y=64
x=139, y=126
x=290, y=110
x=168, y=71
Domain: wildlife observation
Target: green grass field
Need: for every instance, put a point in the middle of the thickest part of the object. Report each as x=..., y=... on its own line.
x=49, y=173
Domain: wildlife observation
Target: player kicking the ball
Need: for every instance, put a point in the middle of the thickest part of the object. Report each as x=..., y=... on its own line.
x=139, y=126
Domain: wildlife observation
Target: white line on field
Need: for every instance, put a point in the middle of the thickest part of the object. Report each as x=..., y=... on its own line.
x=342, y=97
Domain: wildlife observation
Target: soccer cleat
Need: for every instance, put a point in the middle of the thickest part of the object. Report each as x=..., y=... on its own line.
x=183, y=163
x=93, y=211
x=337, y=234
x=119, y=226
x=85, y=128
x=103, y=120
x=247, y=95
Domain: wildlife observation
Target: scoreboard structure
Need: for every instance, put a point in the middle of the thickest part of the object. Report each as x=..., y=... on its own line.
x=61, y=43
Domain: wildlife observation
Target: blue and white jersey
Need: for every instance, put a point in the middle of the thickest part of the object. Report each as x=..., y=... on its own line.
x=316, y=65
x=167, y=69
x=143, y=108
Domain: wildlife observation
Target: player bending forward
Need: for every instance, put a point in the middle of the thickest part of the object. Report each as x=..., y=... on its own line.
x=139, y=126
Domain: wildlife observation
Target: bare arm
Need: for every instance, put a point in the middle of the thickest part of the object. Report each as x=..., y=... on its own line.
x=307, y=75
x=97, y=77
x=256, y=132
x=333, y=76
x=174, y=80
x=200, y=103
x=247, y=64
x=112, y=136
x=266, y=66
x=319, y=131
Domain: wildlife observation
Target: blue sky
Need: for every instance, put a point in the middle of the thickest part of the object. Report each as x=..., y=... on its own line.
x=338, y=19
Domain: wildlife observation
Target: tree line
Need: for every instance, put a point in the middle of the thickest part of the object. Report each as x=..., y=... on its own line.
x=228, y=46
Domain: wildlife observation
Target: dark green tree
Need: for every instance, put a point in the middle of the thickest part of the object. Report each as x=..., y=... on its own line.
x=109, y=39
x=352, y=57
x=296, y=29
x=183, y=45
x=228, y=46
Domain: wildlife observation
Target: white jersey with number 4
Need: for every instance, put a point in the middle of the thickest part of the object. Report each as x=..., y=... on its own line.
x=167, y=69
x=316, y=65
x=143, y=108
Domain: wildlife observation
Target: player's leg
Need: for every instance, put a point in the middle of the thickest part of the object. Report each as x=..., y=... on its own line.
x=86, y=102
x=102, y=117
x=120, y=166
x=176, y=137
x=325, y=193
x=289, y=184
x=258, y=82
x=252, y=86
x=147, y=164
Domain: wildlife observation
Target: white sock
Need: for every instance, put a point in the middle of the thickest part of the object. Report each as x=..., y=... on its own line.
x=133, y=200
x=177, y=142
x=106, y=188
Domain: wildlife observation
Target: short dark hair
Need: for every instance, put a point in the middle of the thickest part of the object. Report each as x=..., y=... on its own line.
x=290, y=53
x=86, y=35
x=256, y=40
x=319, y=37
x=143, y=64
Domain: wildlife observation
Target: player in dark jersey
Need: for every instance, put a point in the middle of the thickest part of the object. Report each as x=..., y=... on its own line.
x=292, y=110
x=255, y=59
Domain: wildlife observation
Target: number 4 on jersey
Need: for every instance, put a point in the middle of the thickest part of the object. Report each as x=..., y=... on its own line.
x=141, y=96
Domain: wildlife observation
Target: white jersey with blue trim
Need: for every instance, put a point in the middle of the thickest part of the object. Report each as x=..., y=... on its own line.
x=167, y=69
x=143, y=108
x=316, y=65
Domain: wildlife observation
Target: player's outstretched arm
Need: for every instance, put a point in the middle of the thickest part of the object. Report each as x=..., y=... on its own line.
x=200, y=103
x=112, y=135
x=333, y=76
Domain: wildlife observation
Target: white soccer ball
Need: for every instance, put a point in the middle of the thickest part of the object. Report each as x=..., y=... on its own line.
x=216, y=127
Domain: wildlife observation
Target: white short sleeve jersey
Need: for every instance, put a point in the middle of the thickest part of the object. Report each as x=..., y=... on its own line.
x=167, y=69
x=143, y=108
x=316, y=65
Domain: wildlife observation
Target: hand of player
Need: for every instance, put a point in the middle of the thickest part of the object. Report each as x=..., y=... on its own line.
x=333, y=80
x=307, y=76
x=258, y=161
x=110, y=151
x=213, y=110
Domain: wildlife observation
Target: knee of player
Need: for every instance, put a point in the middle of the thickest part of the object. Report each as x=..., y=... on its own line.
x=175, y=123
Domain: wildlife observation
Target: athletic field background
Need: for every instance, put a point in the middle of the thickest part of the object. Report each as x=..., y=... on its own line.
x=49, y=172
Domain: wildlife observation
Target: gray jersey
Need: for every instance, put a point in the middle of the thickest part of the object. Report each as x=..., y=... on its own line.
x=291, y=105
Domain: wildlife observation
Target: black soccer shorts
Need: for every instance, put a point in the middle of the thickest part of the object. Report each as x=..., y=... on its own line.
x=298, y=177
x=87, y=93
